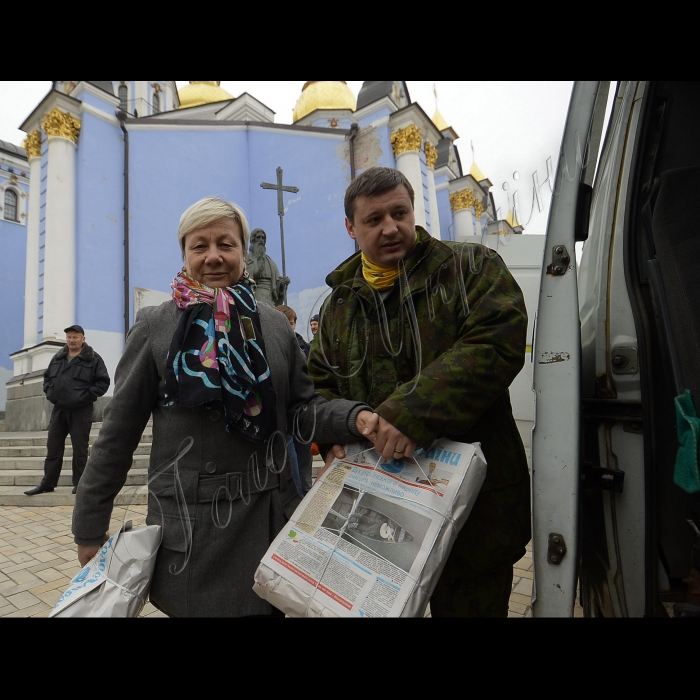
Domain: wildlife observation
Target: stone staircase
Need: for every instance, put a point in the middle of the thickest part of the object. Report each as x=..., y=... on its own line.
x=22, y=467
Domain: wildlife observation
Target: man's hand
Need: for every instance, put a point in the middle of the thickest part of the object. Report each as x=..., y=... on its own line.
x=388, y=440
x=87, y=553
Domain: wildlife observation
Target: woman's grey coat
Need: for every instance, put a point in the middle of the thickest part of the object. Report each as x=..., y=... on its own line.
x=210, y=548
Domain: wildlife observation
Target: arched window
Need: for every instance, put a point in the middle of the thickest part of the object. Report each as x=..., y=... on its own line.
x=11, y=205
x=156, y=102
x=123, y=92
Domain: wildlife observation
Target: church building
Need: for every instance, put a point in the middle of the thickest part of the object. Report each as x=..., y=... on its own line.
x=91, y=205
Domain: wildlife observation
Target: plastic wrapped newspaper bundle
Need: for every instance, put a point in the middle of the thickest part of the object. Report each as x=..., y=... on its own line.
x=371, y=538
x=115, y=582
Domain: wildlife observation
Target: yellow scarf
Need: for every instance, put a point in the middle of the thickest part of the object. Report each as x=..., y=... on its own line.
x=378, y=277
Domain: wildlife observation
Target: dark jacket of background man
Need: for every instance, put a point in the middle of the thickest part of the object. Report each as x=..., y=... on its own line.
x=78, y=383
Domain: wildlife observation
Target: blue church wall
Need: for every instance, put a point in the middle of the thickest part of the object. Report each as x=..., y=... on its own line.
x=367, y=119
x=315, y=237
x=378, y=152
x=445, y=213
x=169, y=171
x=99, y=226
x=443, y=204
x=340, y=122
x=387, y=158
x=13, y=243
x=89, y=98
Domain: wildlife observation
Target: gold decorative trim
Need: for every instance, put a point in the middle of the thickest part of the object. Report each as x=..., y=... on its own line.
x=408, y=139
x=430, y=154
x=57, y=123
x=465, y=199
x=32, y=144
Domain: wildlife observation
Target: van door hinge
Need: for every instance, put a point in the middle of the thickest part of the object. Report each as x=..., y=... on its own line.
x=624, y=360
x=560, y=261
x=593, y=477
x=556, y=549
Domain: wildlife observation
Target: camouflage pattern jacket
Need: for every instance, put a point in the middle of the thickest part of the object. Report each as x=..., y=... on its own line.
x=435, y=357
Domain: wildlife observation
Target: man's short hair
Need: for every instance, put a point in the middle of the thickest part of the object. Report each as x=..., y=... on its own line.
x=287, y=311
x=374, y=181
x=207, y=211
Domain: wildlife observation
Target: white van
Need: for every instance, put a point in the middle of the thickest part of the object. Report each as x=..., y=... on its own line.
x=616, y=359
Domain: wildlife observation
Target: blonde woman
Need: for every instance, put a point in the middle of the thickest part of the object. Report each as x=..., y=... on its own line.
x=214, y=366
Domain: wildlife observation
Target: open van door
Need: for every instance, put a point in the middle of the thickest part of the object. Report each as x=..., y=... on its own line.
x=557, y=360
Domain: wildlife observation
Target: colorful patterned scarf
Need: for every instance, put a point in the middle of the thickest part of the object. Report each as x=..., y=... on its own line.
x=218, y=354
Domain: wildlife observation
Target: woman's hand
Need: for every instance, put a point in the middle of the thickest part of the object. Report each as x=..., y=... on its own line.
x=366, y=424
x=335, y=451
x=85, y=554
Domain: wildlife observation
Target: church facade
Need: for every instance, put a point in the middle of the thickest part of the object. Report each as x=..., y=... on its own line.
x=112, y=165
x=14, y=198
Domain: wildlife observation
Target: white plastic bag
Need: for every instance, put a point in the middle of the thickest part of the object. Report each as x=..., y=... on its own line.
x=116, y=580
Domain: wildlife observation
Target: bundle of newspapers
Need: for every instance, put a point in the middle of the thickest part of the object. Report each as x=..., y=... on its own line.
x=115, y=582
x=371, y=537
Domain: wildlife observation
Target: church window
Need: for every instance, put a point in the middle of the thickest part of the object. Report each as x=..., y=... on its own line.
x=156, y=102
x=123, y=91
x=11, y=205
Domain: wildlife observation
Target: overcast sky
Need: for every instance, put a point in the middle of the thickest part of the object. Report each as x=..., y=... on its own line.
x=514, y=126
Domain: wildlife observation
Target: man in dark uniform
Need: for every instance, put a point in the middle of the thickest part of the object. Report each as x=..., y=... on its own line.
x=74, y=379
x=431, y=334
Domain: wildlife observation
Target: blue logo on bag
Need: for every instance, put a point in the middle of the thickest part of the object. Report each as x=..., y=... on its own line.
x=82, y=574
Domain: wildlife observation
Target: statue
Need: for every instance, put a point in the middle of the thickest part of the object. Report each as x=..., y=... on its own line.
x=271, y=287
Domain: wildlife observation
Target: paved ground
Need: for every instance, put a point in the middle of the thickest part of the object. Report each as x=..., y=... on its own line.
x=38, y=560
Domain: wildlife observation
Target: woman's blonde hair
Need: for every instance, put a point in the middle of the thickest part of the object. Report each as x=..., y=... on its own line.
x=207, y=211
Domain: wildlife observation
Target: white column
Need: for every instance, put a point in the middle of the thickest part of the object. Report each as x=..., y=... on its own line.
x=59, y=253
x=464, y=224
x=31, y=277
x=406, y=143
x=62, y=130
x=432, y=200
x=431, y=155
x=464, y=203
x=408, y=163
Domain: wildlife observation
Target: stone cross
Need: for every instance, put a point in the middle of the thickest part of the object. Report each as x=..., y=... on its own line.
x=280, y=211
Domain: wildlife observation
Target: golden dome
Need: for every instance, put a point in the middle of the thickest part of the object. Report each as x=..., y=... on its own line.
x=439, y=121
x=476, y=173
x=202, y=92
x=323, y=94
x=512, y=221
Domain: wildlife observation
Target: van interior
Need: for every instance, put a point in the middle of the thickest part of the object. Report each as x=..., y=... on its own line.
x=662, y=266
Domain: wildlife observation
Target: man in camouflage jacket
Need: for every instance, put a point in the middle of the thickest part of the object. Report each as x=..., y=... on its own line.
x=434, y=354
